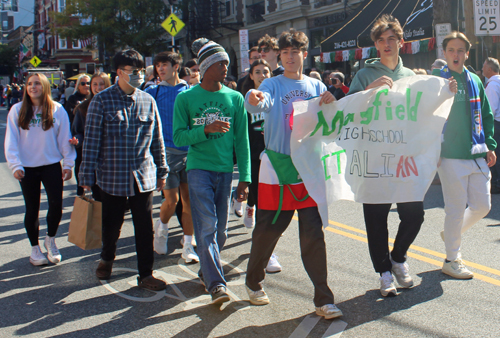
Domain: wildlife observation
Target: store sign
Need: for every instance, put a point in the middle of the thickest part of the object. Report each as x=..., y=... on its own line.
x=487, y=17
x=329, y=19
x=413, y=34
x=345, y=44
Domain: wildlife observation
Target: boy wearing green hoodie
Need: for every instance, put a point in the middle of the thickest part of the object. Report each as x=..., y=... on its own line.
x=467, y=141
x=387, y=35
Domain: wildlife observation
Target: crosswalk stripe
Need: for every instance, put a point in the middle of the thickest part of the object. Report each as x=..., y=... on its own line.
x=335, y=329
x=305, y=326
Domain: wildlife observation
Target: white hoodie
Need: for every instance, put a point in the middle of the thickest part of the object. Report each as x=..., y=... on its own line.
x=493, y=94
x=36, y=147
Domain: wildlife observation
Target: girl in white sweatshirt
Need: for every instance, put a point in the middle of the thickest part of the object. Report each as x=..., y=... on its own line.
x=36, y=140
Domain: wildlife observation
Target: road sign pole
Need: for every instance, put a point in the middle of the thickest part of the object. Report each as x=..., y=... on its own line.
x=173, y=38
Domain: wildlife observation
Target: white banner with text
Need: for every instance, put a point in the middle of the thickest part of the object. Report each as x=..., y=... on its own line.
x=377, y=146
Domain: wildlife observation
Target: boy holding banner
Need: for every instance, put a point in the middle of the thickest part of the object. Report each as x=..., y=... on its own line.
x=467, y=140
x=281, y=190
x=387, y=36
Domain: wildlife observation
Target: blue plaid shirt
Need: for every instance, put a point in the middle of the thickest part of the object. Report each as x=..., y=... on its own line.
x=123, y=143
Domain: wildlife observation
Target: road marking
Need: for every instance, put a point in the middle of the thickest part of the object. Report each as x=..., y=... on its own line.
x=309, y=322
x=421, y=249
x=305, y=326
x=415, y=255
x=171, y=279
x=335, y=329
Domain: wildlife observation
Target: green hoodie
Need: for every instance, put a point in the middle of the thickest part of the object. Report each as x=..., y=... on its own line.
x=458, y=133
x=375, y=69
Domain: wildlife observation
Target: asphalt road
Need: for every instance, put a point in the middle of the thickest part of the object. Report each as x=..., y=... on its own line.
x=66, y=300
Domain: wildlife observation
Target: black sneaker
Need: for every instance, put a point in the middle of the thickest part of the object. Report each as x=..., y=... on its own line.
x=219, y=295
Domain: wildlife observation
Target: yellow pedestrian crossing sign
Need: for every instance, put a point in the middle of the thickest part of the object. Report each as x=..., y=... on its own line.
x=173, y=24
x=35, y=61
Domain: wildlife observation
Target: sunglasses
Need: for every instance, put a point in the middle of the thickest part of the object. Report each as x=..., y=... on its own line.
x=84, y=83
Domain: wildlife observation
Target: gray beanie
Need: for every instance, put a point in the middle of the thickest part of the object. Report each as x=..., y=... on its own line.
x=208, y=53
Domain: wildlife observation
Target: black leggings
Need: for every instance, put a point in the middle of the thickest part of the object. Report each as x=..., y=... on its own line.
x=51, y=177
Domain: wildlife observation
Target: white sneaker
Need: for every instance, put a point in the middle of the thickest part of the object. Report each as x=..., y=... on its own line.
x=188, y=253
x=457, y=269
x=258, y=297
x=387, y=287
x=249, y=219
x=193, y=241
x=273, y=265
x=52, y=251
x=237, y=207
x=37, y=257
x=402, y=273
x=329, y=311
x=160, y=238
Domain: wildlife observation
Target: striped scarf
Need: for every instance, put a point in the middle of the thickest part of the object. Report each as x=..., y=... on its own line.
x=478, y=139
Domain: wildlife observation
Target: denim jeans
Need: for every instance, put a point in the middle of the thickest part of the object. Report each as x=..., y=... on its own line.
x=210, y=192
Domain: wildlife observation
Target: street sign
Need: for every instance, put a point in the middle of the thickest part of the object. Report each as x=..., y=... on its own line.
x=487, y=17
x=244, y=61
x=173, y=24
x=35, y=61
x=441, y=30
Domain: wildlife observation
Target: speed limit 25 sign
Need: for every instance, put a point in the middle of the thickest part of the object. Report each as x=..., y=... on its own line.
x=487, y=17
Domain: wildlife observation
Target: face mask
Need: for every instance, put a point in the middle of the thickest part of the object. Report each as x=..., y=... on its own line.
x=136, y=80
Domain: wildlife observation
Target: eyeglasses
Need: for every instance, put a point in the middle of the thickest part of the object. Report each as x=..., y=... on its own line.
x=84, y=83
x=264, y=49
x=133, y=72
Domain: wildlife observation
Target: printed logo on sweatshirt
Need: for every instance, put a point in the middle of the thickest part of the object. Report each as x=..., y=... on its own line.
x=37, y=121
x=256, y=117
x=293, y=94
x=211, y=112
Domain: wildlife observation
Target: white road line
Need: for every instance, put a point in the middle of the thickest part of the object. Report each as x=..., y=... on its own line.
x=335, y=330
x=305, y=327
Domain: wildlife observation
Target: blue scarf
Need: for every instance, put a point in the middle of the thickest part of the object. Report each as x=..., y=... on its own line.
x=478, y=139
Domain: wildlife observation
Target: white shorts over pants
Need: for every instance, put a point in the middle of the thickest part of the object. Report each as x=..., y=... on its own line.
x=467, y=199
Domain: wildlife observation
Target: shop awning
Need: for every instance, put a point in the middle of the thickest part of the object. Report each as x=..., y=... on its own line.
x=414, y=15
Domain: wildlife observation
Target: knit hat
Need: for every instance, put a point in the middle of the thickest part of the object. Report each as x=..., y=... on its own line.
x=208, y=53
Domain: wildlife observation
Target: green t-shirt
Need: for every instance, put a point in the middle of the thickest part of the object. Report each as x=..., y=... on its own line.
x=457, y=142
x=196, y=107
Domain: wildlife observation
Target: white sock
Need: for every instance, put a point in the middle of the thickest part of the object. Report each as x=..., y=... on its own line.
x=188, y=239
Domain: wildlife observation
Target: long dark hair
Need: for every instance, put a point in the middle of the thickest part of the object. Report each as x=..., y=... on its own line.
x=47, y=105
x=84, y=106
x=248, y=83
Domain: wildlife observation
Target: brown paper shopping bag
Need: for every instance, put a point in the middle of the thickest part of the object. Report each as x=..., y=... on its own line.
x=85, y=226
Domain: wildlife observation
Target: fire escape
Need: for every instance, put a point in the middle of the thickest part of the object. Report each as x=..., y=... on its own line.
x=205, y=18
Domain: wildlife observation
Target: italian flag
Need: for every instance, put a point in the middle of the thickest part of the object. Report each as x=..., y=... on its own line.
x=269, y=190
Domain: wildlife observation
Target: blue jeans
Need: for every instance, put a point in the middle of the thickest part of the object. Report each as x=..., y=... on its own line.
x=210, y=192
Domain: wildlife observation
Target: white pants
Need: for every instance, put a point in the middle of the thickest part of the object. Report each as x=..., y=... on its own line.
x=467, y=199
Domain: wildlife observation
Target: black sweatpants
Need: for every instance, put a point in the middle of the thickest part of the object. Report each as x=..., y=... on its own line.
x=253, y=188
x=411, y=215
x=51, y=178
x=113, y=211
x=312, y=248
